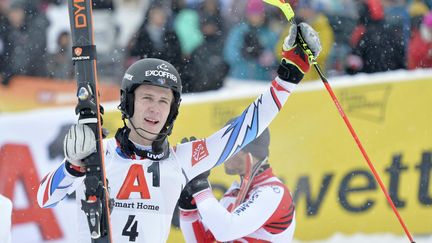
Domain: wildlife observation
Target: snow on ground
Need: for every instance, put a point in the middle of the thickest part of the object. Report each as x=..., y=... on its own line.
x=376, y=238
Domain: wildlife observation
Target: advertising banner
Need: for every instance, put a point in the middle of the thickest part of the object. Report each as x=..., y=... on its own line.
x=314, y=153
x=26, y=93
x=311, y=150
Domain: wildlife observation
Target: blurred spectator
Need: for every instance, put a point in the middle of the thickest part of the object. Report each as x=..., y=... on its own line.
x=276, y=19
x=249, y=46
x=233, y=12
x=106, y=34
x=417, y=10
x=104, y=26
x=342, y=16
x=154, y=39
x=177, y=6
x=309, y=12
x=59, y=22
x=29, y=33
x=376, y=48
x=339, y=8
x=187, y=28
x=60, y=63
x=212, y=9
x=398, y=19
x=103, y=4
x=207, y=63
x=5, y=74
x=420, y=49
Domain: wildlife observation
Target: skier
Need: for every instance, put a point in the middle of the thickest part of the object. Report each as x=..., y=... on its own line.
x=145, y=174
x=265, y=215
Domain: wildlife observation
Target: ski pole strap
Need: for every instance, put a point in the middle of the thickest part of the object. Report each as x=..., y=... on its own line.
x=83, y=53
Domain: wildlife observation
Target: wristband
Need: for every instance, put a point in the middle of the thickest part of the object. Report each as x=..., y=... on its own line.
x=74, y=170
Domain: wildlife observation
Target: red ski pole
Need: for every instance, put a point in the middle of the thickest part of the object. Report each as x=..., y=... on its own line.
x=289, y=13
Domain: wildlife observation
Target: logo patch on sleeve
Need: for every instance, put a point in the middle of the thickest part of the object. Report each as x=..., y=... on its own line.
x=199, y=151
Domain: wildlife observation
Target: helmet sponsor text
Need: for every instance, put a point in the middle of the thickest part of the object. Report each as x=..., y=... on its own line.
x=163, y=66
x=159, y=73
x=128, y=76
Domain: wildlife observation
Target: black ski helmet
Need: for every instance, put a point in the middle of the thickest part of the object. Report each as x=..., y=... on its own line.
x=151, y=71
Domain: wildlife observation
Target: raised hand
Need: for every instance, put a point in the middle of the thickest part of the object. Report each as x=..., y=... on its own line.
x=292, y=51
x=79, y=143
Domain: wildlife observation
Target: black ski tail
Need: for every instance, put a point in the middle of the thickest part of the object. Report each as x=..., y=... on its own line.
x=96, y=203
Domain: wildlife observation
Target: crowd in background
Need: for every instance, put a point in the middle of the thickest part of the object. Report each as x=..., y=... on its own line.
x=210, y=40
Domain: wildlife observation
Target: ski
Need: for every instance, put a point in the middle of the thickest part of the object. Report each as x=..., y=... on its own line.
x=96, y=203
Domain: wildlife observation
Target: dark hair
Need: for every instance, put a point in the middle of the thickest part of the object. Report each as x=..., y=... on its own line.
x=259, y=148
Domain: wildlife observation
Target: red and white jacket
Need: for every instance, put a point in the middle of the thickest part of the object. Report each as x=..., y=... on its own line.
x=267, y=214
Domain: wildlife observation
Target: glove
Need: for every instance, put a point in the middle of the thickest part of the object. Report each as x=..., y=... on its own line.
x=292, y=52
x=79, y=143
x=195, y=186
x=190, y=139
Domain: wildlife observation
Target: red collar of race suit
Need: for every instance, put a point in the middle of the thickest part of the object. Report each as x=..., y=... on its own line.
x=266, y=174
x=258, y=179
